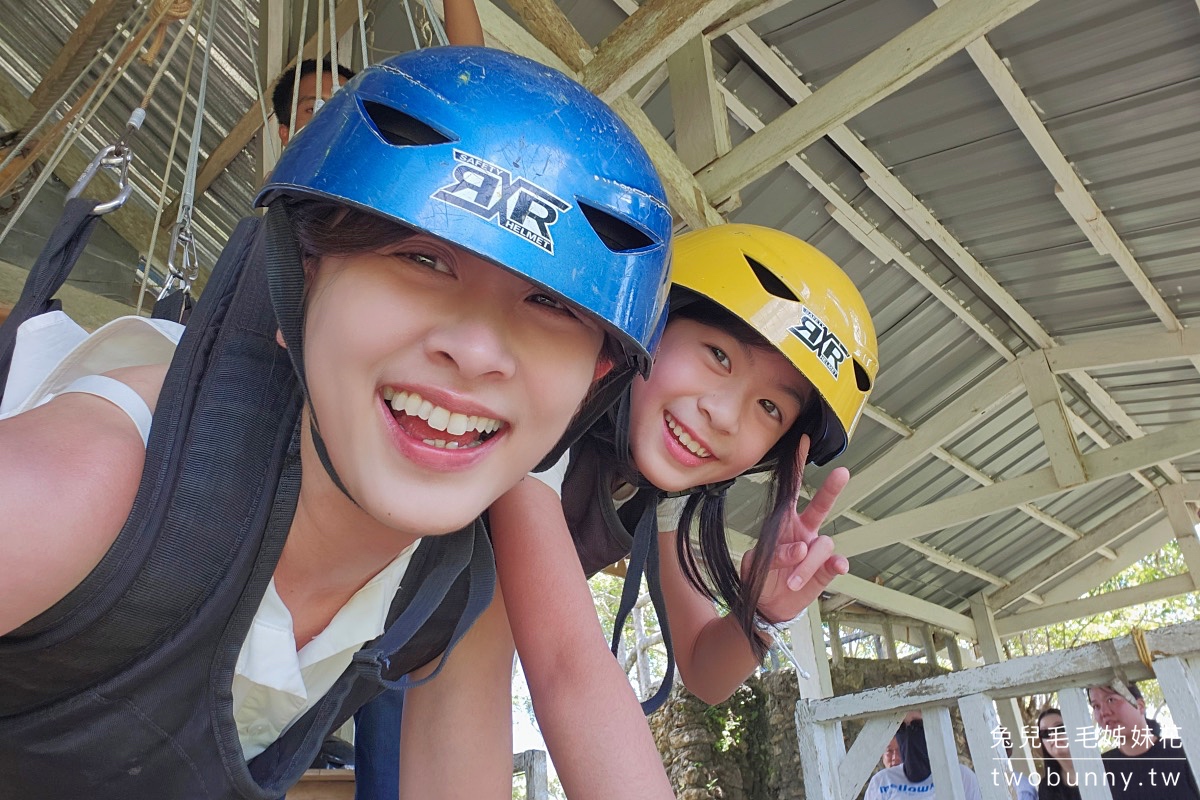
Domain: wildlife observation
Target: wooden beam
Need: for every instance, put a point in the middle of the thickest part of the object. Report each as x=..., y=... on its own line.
x=644, y=40
x=1070, y=190
x=1144, y=510
x=897, y=63
x=860, y=760
x=888, y=188
x=549, y=24
x=95, y=28
x=1151, y=540
x=1125, y=348
x=1096, y=604
x=36, y=146
x=743, y=13
x=970, y=407
x=683, y=191
x=701, y=119
x=1079, y=666
x=1051, y=415
x=1169, y=443
x=892, y=601
x=865, y=233
x=1183, y=523
x=909, y=208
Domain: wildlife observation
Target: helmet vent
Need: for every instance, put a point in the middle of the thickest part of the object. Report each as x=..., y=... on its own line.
x=770, y=281
x=861, y=377
x=617, y=234
x=401, y=129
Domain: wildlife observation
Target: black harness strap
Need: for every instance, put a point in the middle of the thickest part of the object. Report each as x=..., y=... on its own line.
x=47, y=275
x=176, y=306
x=643, y=559
x=285, y=277
x=115, y=613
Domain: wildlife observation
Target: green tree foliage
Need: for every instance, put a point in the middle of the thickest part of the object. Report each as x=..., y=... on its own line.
x=1165, y=563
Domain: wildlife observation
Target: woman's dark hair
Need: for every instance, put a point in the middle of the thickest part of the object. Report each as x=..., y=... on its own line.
x=706, y=562
x=1049, y=763
x=326, y=228
x=1055, y=788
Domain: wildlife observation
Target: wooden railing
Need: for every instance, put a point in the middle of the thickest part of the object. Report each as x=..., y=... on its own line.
x=833, y=773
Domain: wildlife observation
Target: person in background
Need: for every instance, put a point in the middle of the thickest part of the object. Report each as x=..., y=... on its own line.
x=912, y=779
x=307, y=96
x=462, y=28
x=1143, y=765
x=1059, y=781
x=891, y=754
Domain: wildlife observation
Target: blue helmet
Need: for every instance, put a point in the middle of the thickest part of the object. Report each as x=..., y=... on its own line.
x=509, y=159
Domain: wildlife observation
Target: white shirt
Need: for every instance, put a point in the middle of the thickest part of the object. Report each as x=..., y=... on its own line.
x=274, y=685
x=891, y=784
x=53, y=351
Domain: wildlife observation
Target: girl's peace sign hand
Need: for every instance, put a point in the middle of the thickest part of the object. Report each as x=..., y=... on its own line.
x=804, y=563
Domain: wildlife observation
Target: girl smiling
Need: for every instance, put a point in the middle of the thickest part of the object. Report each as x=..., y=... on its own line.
x=407, y=335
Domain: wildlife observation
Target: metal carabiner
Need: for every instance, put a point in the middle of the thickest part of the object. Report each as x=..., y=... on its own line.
x=115, y=157
x=183, y=242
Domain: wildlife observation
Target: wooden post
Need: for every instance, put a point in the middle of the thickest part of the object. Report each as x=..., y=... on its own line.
x=808, y=645
x=930, y=644
x=817, y=755
x=889, y=640
x=1077, y=717
x=993, y=653
x=943, y=752
x=533, y=764
x=992, y=767
x=701, y=121
x=1178, y=680
x=952, y=651
x=643, y=663
x=835, y=640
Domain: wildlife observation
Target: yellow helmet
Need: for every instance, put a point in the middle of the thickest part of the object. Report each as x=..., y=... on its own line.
x=800, y=302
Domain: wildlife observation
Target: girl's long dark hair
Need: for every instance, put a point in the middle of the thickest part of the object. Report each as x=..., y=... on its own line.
x=706, y=561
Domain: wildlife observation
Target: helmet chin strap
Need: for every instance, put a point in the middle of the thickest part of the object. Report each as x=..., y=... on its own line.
x=285, y=277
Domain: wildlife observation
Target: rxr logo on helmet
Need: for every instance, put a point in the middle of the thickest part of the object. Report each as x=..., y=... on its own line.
x=817, y=337
x=489, y=191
